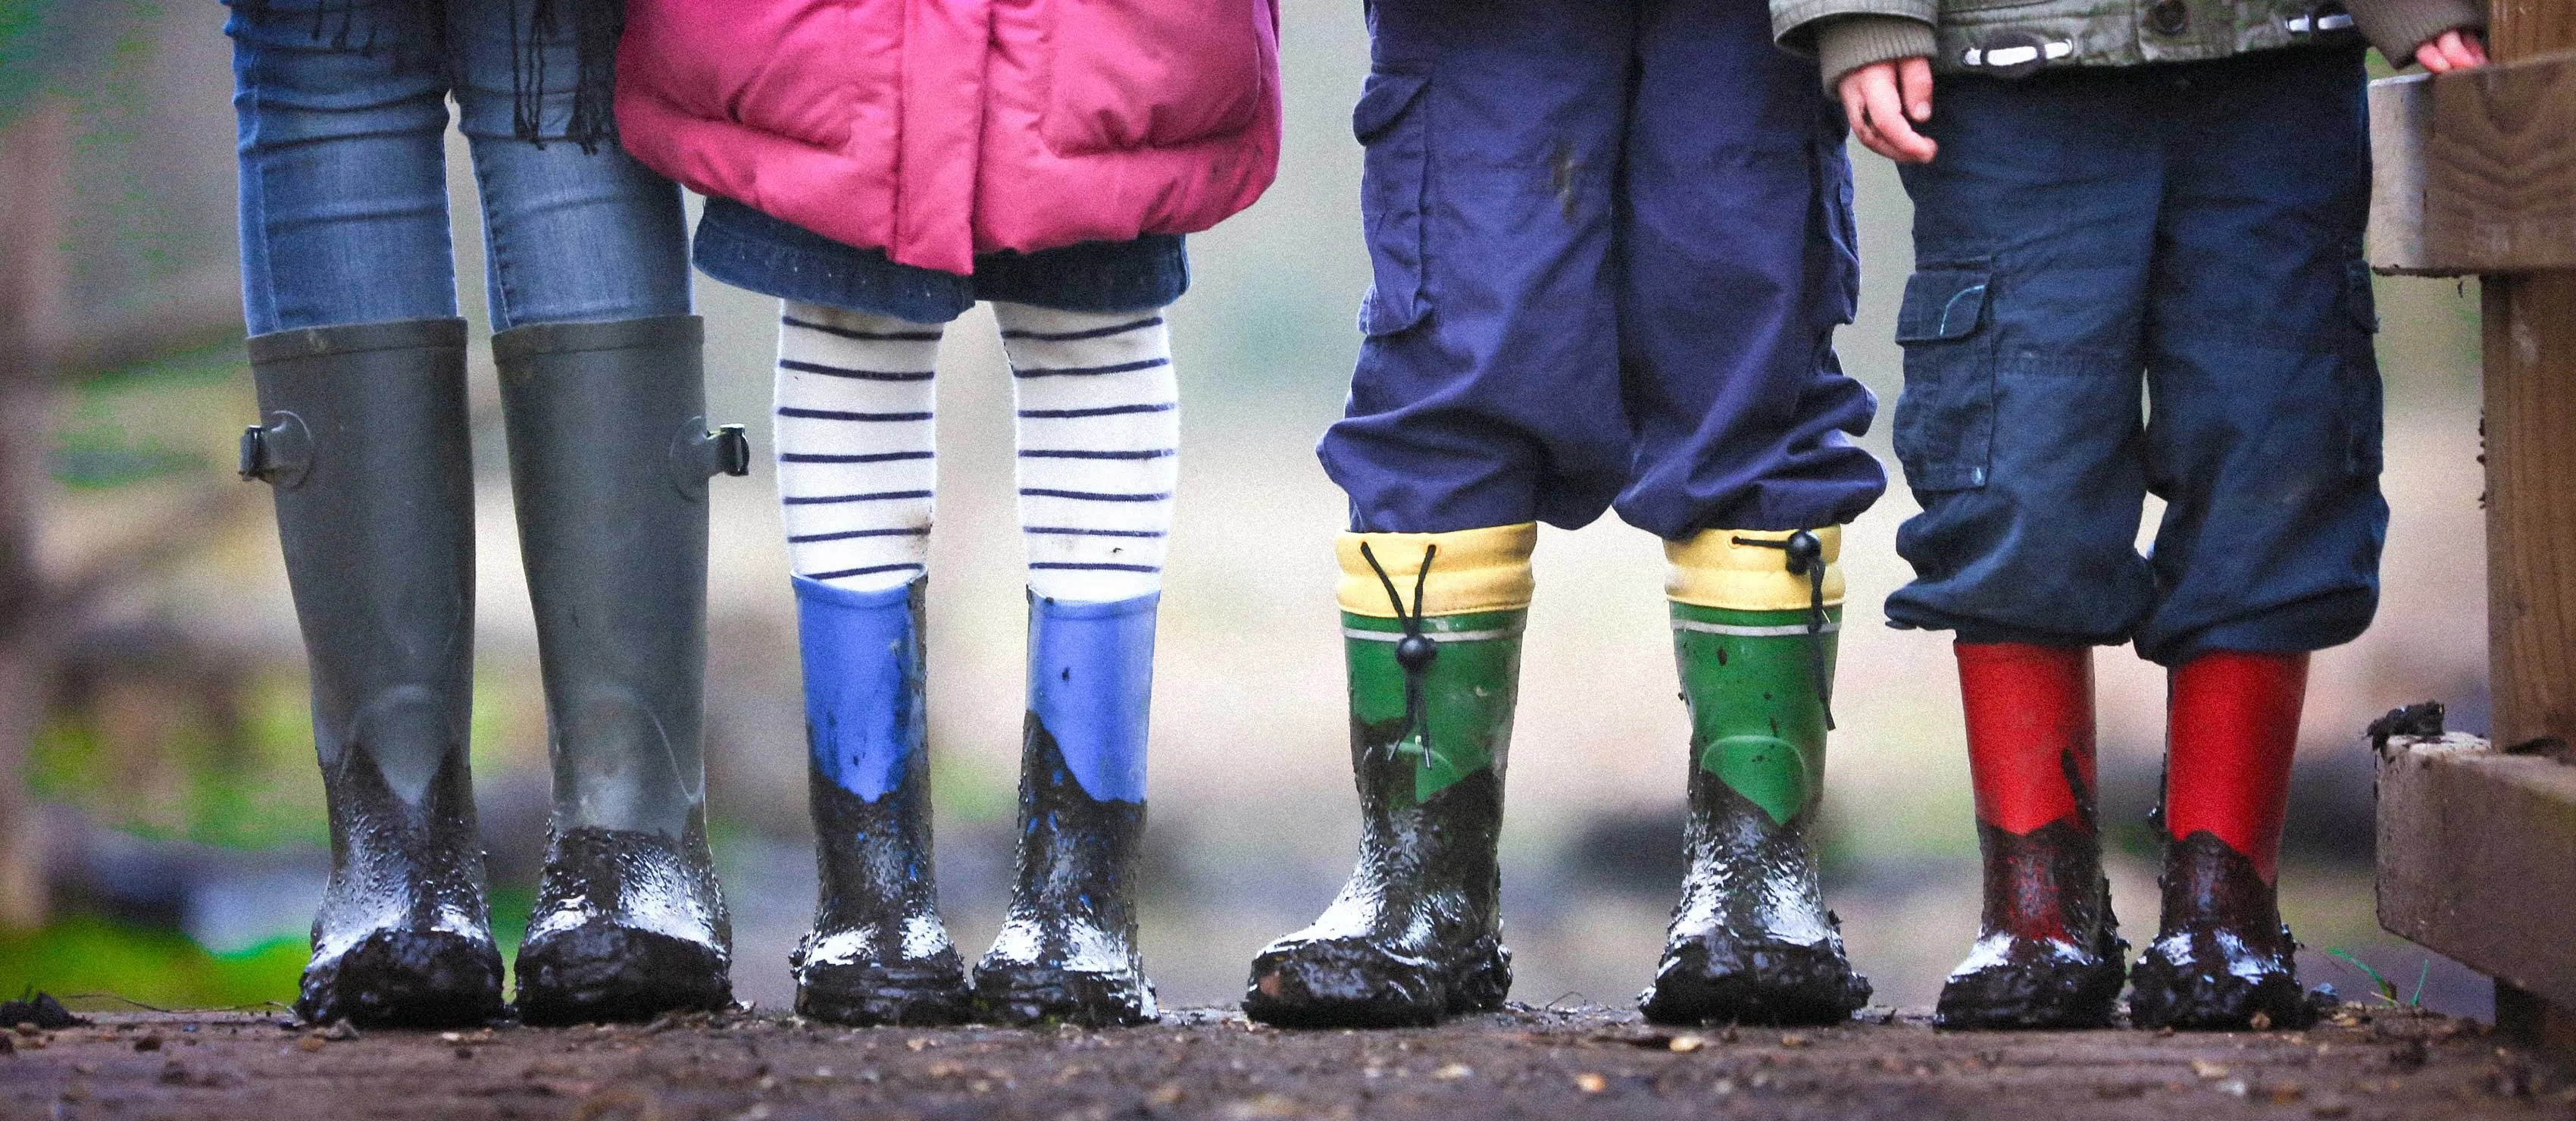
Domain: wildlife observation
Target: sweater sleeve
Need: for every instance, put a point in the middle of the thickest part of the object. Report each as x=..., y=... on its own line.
x=2396, y=27
x=1793, y=22
x=1848, y=43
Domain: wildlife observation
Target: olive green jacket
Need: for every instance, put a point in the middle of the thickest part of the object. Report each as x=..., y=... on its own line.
x=2013, y=37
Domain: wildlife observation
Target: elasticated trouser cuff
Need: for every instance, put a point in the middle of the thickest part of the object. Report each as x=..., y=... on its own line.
x=1851, y=42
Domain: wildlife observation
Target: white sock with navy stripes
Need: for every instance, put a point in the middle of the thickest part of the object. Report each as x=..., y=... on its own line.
x=856, y=465
x=1099, y=435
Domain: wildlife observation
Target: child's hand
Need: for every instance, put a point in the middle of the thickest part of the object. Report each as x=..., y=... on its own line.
x=2454, y=50
x=1872, y=96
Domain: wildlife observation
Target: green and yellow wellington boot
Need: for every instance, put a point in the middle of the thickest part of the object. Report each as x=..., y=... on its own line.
x=1432, y=629
x=1755, y=613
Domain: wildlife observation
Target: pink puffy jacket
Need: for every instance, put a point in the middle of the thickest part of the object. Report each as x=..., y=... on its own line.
x=939, y=129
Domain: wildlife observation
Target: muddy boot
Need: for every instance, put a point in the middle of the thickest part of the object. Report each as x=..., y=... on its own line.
x=2222, y=957
x=878, y=953
x=1416, y=935
x=1067, y=951
x=609, y=461
x=2049, y=954
x=363, y=438
x=1754, y=620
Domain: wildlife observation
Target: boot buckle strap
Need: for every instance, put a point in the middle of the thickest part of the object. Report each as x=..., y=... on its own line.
x=279, y=453
x=698, y=455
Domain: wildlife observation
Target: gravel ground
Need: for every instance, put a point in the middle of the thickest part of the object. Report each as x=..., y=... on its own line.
x=2365, y=1063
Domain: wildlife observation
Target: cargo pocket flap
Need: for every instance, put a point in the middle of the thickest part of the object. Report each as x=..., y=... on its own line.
x=1383, y=100
x=1941, y=303
x=1388, y=123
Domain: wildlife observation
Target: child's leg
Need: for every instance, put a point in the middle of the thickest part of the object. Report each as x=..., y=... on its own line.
x=1736, y=266
x=1099, y=443
x=856, y=471
x=2265, y=434
x=1486, y=399
x=2019, y=431
x=1099, y=437
x=854, y=433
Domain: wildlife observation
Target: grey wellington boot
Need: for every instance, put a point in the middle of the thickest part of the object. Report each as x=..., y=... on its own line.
x=363, y=440
x=609, y=461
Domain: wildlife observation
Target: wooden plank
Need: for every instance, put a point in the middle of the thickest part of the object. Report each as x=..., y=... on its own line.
x=2401, y=124
x=2477, y=859
x=2531, y=382
x=2499, y=168
x=2520, y=29
x=2530, y=344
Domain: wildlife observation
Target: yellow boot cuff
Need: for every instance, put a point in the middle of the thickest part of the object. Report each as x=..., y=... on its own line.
x=1712, y=570
x=1472, y=570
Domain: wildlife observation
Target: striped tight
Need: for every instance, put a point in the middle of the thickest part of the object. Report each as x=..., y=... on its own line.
x=1098, y=434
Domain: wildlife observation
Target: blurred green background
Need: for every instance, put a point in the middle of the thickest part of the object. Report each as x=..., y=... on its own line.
x=169, y=811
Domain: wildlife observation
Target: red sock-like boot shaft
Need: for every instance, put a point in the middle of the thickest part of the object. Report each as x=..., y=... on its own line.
x=2030, y=715
x=2231, y=729
x=2048, y=952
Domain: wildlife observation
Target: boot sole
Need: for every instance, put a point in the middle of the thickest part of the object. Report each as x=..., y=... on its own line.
x=406, y=979
x=599, y=973
x=1027, y=995
x=863, y=996
x=1767, y=983
x=1358, y=985
x=2030, y=999
x=2164, y=996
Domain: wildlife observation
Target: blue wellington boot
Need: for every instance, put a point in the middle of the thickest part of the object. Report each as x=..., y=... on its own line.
x=1067, y=951
x=878, y=953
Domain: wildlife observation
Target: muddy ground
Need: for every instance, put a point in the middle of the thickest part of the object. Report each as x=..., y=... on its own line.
x=2367, y=1063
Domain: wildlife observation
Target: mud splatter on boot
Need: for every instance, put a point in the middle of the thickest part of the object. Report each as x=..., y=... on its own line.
x=1751, y=941
x=356, y=421
x=2048, y=954
x=628, y=925
x=609, y=461
x=403, y=937
x=2222, y=954
x=2051, y=956
x=1067, y=950
x=1416, y=934
x=878, y=953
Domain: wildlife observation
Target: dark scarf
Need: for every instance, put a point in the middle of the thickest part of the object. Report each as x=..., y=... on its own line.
x=419, y=27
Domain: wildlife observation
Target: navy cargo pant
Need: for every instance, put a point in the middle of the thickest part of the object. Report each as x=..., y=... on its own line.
x=2195, y=227
x=1611, y=241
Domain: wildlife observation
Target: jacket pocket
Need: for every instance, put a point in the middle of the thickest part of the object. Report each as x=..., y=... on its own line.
x=1945, y=418
x=1130, y=74
x=1394, y=177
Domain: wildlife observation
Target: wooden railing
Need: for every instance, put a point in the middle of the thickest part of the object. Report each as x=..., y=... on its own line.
x=2477, y=174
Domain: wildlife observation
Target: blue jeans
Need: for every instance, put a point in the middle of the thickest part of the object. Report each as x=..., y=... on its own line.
x=344, y=184
x=2193, y=229
x=1611, y=241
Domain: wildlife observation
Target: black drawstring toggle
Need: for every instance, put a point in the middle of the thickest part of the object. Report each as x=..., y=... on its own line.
x=1805, y=556
x=1415, y=651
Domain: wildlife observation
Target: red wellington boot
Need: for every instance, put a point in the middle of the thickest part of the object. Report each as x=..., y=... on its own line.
x=2049, y=954
x=2221, y=957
